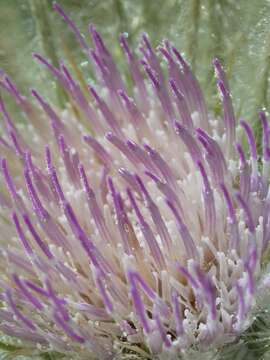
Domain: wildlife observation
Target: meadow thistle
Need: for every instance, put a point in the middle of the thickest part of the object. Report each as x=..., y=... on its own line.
x=133, y=221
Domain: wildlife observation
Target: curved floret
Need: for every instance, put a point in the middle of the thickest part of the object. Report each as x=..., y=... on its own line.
x=133, y=220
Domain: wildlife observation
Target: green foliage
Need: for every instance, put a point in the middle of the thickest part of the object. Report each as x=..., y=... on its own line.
x=235, y=31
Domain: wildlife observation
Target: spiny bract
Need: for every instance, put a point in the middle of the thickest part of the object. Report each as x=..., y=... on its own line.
x=131, y=221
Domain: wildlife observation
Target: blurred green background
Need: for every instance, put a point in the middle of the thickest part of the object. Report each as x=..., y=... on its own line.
x=235, y=31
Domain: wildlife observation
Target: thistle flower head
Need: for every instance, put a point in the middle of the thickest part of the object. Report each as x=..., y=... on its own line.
x=132, y=221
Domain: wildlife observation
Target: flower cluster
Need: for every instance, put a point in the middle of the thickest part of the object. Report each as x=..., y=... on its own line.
x=132, y=220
